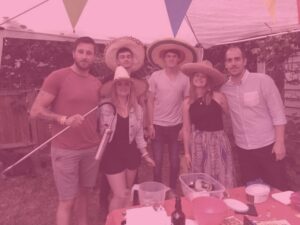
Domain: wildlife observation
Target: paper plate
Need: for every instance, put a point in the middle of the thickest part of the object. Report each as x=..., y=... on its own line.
x=236, y=205
x=283, y=197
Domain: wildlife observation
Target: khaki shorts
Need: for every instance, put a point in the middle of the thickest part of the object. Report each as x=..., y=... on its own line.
x=74, y=169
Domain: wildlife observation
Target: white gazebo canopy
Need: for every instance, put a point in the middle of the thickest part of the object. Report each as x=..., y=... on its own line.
x=208, y=22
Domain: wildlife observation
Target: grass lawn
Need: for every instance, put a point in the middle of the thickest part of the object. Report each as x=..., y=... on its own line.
x=28, y=200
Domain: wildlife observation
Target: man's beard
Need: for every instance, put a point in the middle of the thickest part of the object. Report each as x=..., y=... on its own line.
x=83, y=68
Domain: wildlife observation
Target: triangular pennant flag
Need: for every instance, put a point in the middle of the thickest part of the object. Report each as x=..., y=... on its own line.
x=176, y=11
x=298, y=6
x=271, y=7
x=74, y=9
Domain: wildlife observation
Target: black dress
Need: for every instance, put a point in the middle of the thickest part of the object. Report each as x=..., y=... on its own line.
x=119, y=153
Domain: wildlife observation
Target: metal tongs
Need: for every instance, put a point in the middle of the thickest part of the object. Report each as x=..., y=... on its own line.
x=106, y=134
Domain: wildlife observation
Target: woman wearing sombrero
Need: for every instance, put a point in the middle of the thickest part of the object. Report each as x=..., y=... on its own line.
x=207, y=148
x=129, y=53
x=127, y=144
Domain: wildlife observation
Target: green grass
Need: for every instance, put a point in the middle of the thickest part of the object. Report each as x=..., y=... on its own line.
x=26, y=200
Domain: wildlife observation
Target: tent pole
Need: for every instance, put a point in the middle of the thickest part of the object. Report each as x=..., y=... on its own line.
x=190, y=26
x=258, y=37
x=14, y=17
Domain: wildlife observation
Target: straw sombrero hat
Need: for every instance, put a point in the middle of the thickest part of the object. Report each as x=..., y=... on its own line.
x=136, y=46
x=140, y=86
x=156, y=50
x=205, y=67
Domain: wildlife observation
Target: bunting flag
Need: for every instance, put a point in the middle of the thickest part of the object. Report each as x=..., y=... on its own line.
x=176, y=11
x=298, y=6
x=74, y=9
x=271, y=4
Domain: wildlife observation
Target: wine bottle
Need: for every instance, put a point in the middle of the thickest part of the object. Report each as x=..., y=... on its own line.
x=178, y=217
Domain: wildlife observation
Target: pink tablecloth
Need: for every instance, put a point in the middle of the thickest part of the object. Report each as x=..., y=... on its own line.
x=269, y=210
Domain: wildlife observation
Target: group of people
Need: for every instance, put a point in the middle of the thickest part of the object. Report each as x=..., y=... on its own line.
x=184, y=100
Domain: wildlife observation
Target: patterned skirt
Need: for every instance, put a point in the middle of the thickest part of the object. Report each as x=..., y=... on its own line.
x=211, y=154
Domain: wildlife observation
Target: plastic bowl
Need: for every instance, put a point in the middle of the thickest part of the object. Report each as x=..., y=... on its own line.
x=257, y=193
x=186, y=179
x=209, y=210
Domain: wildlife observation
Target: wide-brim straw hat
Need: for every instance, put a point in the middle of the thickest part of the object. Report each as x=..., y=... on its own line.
x=140, y=86
x=205, y=67
x=135, y=46
x=157, y=49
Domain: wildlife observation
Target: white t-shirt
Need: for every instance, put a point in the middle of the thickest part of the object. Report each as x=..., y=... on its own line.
x=168, y=97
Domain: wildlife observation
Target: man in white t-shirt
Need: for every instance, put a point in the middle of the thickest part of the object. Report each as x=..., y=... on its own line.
x=167, y=89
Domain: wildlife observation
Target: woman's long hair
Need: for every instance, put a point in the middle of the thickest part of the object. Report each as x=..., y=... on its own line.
x=132, y=98
x=207, y=97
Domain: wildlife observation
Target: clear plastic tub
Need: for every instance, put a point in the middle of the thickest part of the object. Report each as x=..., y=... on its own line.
x=189, y=179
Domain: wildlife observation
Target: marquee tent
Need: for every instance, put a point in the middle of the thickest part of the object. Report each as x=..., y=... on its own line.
x=208, y=22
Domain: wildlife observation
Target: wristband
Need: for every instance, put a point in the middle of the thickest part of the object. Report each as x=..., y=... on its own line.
x=62, y=120
x=145, y=154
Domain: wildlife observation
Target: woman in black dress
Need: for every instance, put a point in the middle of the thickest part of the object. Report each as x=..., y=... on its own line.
x=207, y=148
x=127, y=144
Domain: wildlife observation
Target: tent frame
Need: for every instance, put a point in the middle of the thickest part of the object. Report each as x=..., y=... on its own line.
x=6, y=33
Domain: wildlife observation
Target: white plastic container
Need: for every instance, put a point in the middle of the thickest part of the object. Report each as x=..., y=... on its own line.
x=257, y=193
x=190, y=178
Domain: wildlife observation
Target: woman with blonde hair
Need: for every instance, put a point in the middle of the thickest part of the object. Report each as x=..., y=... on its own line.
x=207, y=148
x=126, y=145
